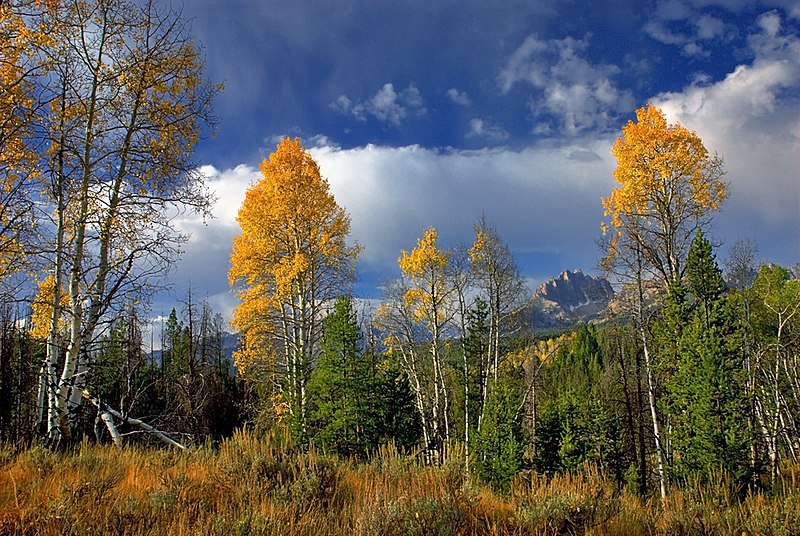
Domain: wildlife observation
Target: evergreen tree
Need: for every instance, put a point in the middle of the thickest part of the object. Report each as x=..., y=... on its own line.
x=399, y=419
x=499, y=443
x=344, y=414
x=704, y=278
x=549, y=431
x=706, y=392
x=476, y=346
x=576, y=425
x=175, y=348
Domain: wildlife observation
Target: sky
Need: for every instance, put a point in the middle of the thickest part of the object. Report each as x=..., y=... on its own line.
x=439, y=112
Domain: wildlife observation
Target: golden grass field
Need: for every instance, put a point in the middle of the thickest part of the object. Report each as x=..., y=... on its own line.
x=257, y=485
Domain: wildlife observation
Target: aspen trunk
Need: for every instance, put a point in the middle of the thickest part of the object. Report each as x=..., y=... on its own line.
x=107, y=413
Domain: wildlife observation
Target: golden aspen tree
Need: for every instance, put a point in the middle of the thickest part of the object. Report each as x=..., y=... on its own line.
x=668, y=187
x=127, y=103
x=423, y=304
x=291, y=260
x=17, y=112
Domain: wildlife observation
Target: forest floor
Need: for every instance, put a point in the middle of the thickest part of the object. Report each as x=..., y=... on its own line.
x=254, y=485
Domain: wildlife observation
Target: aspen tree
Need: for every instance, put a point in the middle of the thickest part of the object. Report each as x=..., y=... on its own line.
x=416, y=314
x=668, y=186
x=291, y=260
x=127, y=104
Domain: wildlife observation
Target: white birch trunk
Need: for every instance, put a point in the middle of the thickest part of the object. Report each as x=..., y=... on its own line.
x=107, y=411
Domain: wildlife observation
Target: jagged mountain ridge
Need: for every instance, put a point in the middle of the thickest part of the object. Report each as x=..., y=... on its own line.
x=571, y=298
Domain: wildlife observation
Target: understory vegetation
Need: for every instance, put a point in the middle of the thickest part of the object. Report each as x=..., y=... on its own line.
x=263, y=484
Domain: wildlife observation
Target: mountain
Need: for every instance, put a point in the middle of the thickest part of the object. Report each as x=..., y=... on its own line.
x=571, y=298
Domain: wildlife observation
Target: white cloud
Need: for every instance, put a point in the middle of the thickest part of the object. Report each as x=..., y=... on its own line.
x=581, y=94
x=458, y=97
x=709, y=27
x=661, y=33
x=542, y=200
x=689, y=34
x=205, y=260
x=481, y=128
x=545, y=200
x=387, y=105
x=688, y=24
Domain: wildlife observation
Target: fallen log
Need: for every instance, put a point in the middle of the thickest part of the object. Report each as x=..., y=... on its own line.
x=107, y=414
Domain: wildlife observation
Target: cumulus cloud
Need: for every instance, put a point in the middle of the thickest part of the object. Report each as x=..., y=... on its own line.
x=458, y=97
x=544, y=201
x=205, y=260
x=582, y=95
x=481, y=128
x=387, y=105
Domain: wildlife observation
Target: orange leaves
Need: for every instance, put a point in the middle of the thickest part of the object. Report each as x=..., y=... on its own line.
x=425, y=268
x=668, y=185
x=661, y=167
x=289, y=270
x=17, y=161
x=292, y=250
x=477, y=252
x=426, y=260
x=290, y=222
x=42, y=309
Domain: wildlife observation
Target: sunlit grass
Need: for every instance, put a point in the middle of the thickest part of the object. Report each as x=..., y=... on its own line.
x=262, y=485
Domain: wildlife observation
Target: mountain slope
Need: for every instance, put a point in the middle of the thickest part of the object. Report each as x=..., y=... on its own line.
x=571, y=298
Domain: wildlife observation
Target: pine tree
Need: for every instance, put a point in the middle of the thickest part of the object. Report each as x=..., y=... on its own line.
x=476, y=347
x=344, y=415
x=399, y=420
x=706, y=392
x=499, y=443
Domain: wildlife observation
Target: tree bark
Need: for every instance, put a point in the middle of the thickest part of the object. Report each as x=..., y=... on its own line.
x=107, y=412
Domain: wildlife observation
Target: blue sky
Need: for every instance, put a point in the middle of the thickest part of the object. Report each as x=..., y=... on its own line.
x=435, y=113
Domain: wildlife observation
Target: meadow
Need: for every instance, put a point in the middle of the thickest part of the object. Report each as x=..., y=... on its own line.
x=251, y=484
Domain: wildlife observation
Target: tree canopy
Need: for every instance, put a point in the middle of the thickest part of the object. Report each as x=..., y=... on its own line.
x=290, y=260
x=668, y=186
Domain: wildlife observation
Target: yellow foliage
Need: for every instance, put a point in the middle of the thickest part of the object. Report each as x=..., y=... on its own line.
x=477, y=251
x=292, y=246
x=539, y=351
x=425, y=266
x=659, y=164
x=16, y=113
x=543, y=350
x=42, y=309
x=425, y=259
x=666, y=179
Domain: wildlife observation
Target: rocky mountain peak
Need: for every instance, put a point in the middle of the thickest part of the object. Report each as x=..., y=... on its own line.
x=570, y=298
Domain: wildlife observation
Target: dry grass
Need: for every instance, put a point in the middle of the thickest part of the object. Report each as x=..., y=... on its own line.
x=260, y=485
